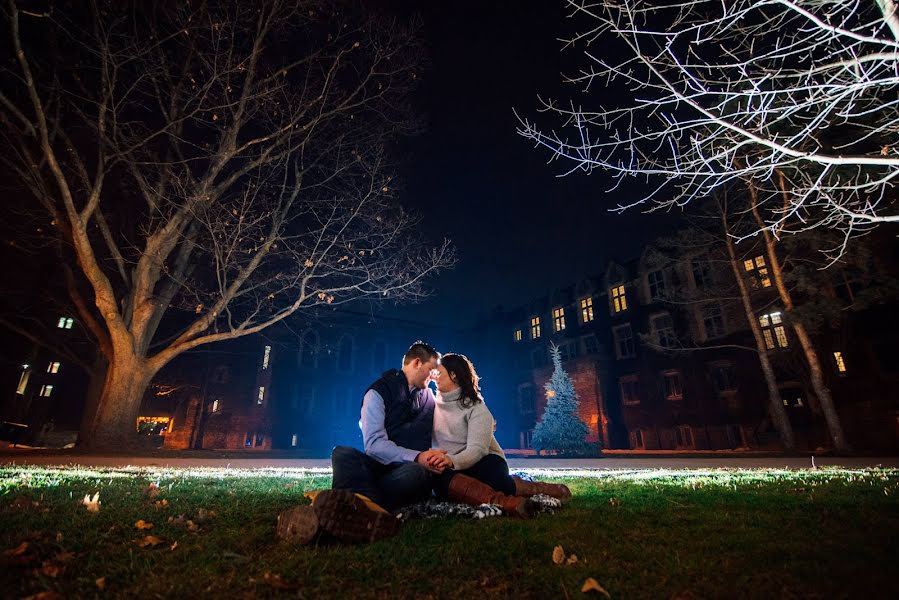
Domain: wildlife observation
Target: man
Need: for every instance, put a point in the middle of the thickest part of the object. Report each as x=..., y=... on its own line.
x=394, y=471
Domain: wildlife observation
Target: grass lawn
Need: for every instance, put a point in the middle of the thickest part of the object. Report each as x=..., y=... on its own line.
x=652, y=534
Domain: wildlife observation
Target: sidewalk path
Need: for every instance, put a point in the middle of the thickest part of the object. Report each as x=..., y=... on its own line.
x=10, y=458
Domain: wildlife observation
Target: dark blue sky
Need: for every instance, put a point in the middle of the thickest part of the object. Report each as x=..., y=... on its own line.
x=519, y=229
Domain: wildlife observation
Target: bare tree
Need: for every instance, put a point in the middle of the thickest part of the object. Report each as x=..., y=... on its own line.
x=715, y=92
x=213, y=169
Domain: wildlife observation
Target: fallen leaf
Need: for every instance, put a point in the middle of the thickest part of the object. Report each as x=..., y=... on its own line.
x=173, y=546
x=205, y=515
x=192, y=527
x=51, y=570
x=141, y=524
x=591, y=585
x=152, y=490
x=558, y=555
x=571, y=559
x=49, y=595
x=161, y=504
x=58, y=537
x=614, y=502
x=276, y=581
x=148, y=540
x=18, y=550
x=92, y=504
x=100, y=582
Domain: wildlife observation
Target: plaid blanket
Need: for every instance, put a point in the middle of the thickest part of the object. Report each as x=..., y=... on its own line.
x=433, y=509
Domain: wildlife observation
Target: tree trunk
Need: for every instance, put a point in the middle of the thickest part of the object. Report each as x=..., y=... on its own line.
x=92, y=395
x=775, y=402
x=822, y=391
x=112, y=426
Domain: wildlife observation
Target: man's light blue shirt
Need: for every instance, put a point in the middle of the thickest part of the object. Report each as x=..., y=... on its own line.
x=374, y=434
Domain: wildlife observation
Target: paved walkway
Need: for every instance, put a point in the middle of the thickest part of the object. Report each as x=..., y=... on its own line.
x=11, y=457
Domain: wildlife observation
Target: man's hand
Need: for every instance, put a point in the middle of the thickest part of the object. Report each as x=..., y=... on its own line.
x=432, y=460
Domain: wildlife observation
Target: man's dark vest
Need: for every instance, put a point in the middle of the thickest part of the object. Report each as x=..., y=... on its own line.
x=408, y=416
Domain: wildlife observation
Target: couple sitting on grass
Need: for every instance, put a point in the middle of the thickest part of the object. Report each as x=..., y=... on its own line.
x=417, y=445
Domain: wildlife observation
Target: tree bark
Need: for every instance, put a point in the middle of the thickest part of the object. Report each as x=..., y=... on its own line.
x=822, y=391
x=112, y=426
x=775, y=402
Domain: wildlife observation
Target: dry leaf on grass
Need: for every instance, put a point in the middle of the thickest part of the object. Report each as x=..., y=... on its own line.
x=51, y=570
x=173, y=546
x=141, y=524
x=591, y=585
x=92, y=504
x=192, y=527
x=571, y=559
x=277, y=582
x=58, y=537
x=614, y=502
x=48, y=595
x=152, y=490
x=558, y=555
x=100, y=582
x=148, y=540
x=161, y=504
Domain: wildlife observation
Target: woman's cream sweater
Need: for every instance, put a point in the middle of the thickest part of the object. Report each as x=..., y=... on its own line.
x=465, y=433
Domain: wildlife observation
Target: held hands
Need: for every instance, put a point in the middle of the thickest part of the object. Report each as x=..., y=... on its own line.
x=434, y=460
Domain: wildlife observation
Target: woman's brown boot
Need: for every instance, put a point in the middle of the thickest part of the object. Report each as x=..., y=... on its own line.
x=469, y=490
x=527, y=488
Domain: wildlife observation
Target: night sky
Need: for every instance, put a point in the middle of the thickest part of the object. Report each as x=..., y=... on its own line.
x=519, y=228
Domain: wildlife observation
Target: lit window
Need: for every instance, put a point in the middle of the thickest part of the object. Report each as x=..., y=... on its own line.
x=265, y=355
x=535, y=327
x=656, y=285
x=773, y=330
x=559, y=319
x=713, y=320
x=293, y=441
x=758, y=271
x=46, y=390
x=673, y=389
x=261, y=395
x=624, y=341
x=23, y=381
x=215, y=406
x=630, y=393
x=65, y=322
x=53, y=367
x=841, y=364
x=663, y=330
x=619, y=300
x=517, y=335
x=586, y=310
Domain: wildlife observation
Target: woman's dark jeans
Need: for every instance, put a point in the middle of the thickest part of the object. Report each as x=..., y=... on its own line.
x=492, y=470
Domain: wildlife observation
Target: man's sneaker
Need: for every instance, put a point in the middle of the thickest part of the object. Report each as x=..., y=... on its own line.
x=298, y=525
x=345, y=516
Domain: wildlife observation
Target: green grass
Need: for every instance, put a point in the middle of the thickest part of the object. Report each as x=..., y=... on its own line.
x=656, y=534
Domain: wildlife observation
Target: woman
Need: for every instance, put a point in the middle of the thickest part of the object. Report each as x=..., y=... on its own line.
x=475, y=469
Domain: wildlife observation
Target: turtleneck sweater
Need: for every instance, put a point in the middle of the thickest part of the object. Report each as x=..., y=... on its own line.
x=466, y=433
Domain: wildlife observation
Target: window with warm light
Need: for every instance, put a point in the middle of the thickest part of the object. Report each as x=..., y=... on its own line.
x=214, y=407
x=265, y=356
x=559, y=319
x=46, y=390
x=619, y=299
x=586, y=310
x=773, y=330
x=535, y=328
x=65, y=322
x=841, y=363
x=53, y=367
x=261, y=396
x=517, y=335
x=757, y=269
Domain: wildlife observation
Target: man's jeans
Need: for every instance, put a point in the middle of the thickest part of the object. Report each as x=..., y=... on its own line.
x=391, y=486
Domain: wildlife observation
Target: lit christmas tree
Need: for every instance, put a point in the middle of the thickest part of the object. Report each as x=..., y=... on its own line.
x=560, y=428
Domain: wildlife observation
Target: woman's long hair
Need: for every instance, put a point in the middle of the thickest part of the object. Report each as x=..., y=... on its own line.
x=463, y=373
